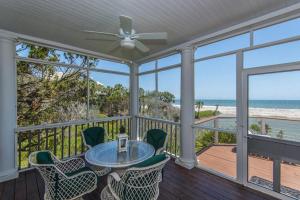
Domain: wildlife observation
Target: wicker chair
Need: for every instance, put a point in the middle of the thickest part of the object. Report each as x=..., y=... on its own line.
x=137, y=183
x=157, y=138
x=91, y=137
x=68, y=179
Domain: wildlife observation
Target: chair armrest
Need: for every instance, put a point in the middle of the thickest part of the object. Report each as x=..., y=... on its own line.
x=160, y=150
x=115, y=176
x=115, y=185
x=144, y=139
x=70, y=165
x=78, y=184
x=84, y=175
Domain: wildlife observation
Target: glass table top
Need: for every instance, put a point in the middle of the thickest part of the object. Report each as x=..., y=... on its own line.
x=107, y=155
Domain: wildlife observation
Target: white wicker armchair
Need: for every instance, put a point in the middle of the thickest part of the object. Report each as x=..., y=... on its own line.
x=135, y=184
x=68, y=179
x=89, y=142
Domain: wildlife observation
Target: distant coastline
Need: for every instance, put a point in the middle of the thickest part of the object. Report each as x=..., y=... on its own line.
x=278, y=104
x=283, y=109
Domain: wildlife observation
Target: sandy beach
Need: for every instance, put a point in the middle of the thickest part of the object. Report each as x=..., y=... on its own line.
x=259, y=112
x=293, y=114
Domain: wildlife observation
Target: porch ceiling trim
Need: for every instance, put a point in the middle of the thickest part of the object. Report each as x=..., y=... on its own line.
x=256, y=23
x=47, y=43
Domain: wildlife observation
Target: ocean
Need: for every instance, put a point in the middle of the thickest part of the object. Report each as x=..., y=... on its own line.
x=283, y=104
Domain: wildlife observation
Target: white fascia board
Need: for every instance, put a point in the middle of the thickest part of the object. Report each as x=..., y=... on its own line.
x=249, y=24
x=53, y=44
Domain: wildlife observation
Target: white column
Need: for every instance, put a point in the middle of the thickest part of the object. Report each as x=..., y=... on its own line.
x=187, y=111
x=8, y=116
x=134, y=100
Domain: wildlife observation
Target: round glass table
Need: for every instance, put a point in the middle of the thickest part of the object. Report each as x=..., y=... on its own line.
x=107, y=154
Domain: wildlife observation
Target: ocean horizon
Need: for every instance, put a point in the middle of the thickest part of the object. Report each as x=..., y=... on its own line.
x=281, y=104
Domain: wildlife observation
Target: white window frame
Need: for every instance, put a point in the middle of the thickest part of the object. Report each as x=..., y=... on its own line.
x=244, y=74
x=85, y=67
x=156, y=70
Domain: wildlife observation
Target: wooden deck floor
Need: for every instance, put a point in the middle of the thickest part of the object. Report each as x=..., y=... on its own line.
x=178, y=183
x=222, y=159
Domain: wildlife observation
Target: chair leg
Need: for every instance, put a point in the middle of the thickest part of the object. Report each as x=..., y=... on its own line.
x=106, y=195
x=46, y=195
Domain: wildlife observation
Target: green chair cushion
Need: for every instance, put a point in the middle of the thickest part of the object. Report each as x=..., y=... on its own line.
x=94, y=135
x=151, y=161
x=156, y=137
x=83, y=169
x=44, y=157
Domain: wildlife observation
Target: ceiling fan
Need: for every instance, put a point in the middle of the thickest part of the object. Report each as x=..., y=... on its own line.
x=127, y=37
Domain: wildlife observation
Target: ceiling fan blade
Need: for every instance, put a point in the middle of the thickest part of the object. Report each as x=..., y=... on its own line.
x=151, y=36
x=140, y=46
x=126, y=24
x=113, y=46
x=102, y=39
x=102, y=33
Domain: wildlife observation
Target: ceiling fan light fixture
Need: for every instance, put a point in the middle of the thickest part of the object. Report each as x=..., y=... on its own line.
x=127, y=43
x=128, y=38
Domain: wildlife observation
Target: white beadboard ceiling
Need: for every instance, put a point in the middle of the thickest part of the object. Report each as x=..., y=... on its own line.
x=62, y=20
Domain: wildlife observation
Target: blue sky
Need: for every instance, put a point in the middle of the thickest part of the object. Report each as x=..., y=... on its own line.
x=215, y=78
x=110, y=79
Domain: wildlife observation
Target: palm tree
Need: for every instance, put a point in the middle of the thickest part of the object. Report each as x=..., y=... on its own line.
x=216, y=110
x=199, y=104
x=280, y=134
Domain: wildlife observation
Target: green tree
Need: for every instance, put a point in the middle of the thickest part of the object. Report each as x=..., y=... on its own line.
x=158, y=104
x=199, y=104
x=47, y=93
x=166, y=97
x=255, y=127
x=280, y=134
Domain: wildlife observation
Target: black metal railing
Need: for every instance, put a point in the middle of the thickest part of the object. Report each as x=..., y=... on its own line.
x=170, y=127
x=63, y=139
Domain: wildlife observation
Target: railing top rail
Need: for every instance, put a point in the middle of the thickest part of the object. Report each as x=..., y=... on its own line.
x=59, y=125
x=272, y=139
x=198, y=126
x=159, y=120
x=200, y=121
x=253, y=116
x=275, y=117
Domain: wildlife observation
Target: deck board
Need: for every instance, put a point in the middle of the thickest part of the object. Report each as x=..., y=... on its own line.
x=8, y=191
x=220, y=158
x=178, y=184
x=32, y=191
x=20, y=186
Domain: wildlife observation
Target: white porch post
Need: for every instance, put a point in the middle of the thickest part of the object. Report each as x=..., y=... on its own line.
x=8, y=117
x=187, y=111
x=134, y=100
